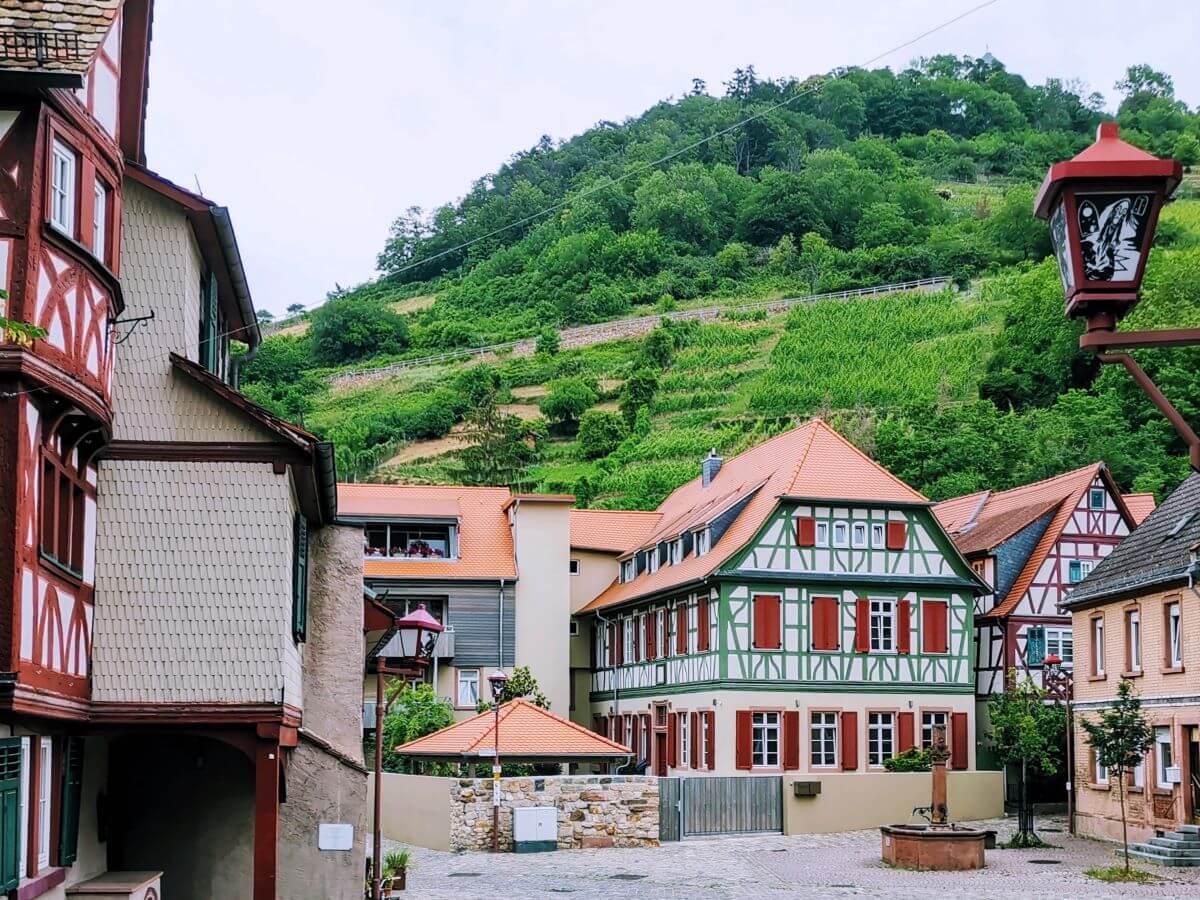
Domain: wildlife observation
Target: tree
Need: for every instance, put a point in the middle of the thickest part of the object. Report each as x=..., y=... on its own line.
x=264, y=316
x=413, y=711
x=658, y=347
x=521, y=683
x=1027, y=731
x=499, y=446
x=294, y=309
x=566, y=400
x=600, y=431
x=548, y=342
x=1120, y=737
x=350, y=328
x=638, y=392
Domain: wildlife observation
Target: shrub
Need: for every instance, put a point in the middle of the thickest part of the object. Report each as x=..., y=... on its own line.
x=911, y=760
x=600, y=432
x=638, y=392
x=348, y=328
x=567, y=399
x=548, y=342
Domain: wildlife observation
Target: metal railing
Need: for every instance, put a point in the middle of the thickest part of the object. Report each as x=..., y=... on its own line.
x=706, y=313
x=30, y=45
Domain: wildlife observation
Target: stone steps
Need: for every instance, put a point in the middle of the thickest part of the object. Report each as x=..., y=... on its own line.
x=1176, y=848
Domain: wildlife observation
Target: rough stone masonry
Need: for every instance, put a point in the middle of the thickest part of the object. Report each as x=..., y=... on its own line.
x=593, y=810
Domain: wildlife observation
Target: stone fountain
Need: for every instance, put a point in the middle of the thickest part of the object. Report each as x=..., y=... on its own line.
x=937, y=845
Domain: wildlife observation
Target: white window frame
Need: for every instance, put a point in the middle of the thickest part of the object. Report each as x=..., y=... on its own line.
x=1101, y=773
x=821, y=538
x=930, y=720
x=878, y=534
x=675, y=551
x=662, y=633
x=1133, y=622
x=1060, y=642
x=705, y=739
x=26, y=793
x=44, y=798
x=702, y=540
x=881, y=738
x=1097, y=629
x=823, y=739
x=64, y=187
x=100, y=220
x=1164, y=756
x=627, y=570
x=573, y=567
x=1139, y=774
x=652, y=559
x=841, y=534
x=1085, y=569
x=459, y=682
x=858, y=535
x=1174, y=634
x=685, y=740
x=574, y=629
x=766, y=736
x=882, y=622
x=629, y=636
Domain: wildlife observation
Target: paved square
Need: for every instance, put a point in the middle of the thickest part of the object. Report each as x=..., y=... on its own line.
x=815, y=865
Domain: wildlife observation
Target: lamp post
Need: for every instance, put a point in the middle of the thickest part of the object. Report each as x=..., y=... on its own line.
x=497, y=680
x=411, y=642
x=1060, y=685
x=1103, y=207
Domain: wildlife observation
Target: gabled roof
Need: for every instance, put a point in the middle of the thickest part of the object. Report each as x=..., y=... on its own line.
x=485, y=545
x=980, y=522
x=610, y=530
x=812, y=462
x=1139, y=506
x=1160, y=552
x=75, y=30
x=527, y=732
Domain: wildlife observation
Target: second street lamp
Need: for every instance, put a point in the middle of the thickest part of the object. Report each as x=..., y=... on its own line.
x=497, y=680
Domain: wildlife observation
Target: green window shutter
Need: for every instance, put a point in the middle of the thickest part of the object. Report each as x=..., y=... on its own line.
x=72, y=788
x=208, y=321
x=10, y=813
x=1075, y=572
x=1035, y=646
x=300, y=578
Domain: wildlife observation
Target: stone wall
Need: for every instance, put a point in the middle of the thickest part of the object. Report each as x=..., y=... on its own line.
x=593, y=810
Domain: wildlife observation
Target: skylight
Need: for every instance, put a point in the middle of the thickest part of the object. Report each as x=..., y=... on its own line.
x=1181, y=524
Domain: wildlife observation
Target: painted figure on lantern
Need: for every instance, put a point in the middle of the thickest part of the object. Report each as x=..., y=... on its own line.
x=1111, y=227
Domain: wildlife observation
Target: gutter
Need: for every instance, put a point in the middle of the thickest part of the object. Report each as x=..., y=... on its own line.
x=325, y=474
x=237, y=275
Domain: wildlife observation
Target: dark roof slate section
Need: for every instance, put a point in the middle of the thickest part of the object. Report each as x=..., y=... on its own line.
x=1152, y=555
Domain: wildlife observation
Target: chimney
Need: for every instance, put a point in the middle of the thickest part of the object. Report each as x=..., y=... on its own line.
x=709, y=467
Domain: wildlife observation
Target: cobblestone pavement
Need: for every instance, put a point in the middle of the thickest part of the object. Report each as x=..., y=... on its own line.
x=825, y=865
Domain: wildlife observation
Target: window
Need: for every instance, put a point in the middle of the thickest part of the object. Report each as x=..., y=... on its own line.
x=210, y=332
x=574, y=632
x=468, y=688
x=1166, y=760
x=703, y=537
x=675, y=551
x=299, y=577
x=62, y=188
x=1098, y=646
x=825, y=625
x=64, y=495
x=1174, y=646
x=858, y=534
x=1133, y=641
x=1079, y=569
x=1101, y=773
x=45, y=787
x=660, y=636
x=824, y=740
x=930, y=721
x=840, y=534
x=1139, y=774
x=685, y=740
x=652, y=560
x=878, y=535
x=100, y=220
x=1060, y=642
x=626, y=570
x=1096, y=497
x=764, y=740
x=573, y=567
x=410, y=541
x=881, y=738
x=821, y=538
x=883, y=625
x=630, y=639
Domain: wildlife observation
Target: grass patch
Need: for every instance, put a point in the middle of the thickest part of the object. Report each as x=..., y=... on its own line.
x=1114, y=874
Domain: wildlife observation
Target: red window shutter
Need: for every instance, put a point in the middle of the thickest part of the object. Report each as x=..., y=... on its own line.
x=897, y=535
x=906, y=731
x=791, y=739
x=694, y=737
x=958, y=741
x=934, y=626
x=903, y=615
x=711, y=725
x=634, y=725
x=862, y=625
x=681, y=617
x=652, y=636
x=702, y=625
x=672, y=741
x=766, y=622
x=612, y=644
x=621, y=642
x=824, y=623
x=618, y=729
x=806, y=531
x=744, y=728
x=849, y=737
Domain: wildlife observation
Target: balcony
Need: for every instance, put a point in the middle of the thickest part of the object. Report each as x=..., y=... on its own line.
x=30, y=48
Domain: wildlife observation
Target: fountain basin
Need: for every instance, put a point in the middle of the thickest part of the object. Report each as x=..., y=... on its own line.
x=941, y=848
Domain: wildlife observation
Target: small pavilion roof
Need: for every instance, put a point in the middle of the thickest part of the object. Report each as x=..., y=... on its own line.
x=528, y=733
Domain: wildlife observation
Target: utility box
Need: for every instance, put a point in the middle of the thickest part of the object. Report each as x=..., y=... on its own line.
x=535, y=829
x=806, y=788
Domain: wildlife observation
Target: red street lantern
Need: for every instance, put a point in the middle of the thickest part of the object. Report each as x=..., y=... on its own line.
x=1103, y=207
x=416, y=637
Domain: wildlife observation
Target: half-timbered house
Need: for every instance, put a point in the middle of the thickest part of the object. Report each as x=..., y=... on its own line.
x=795, y=608
x=1032, y=544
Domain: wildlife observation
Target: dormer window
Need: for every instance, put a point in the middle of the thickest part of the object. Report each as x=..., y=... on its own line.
x=675, y=551
x=431, y=542
x=627, y=570
x=703, y=540
x=652, y=560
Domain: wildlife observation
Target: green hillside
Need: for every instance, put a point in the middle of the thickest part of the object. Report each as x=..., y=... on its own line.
x=874, y=178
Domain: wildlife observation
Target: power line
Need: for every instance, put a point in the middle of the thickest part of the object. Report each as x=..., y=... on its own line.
x=642, y=167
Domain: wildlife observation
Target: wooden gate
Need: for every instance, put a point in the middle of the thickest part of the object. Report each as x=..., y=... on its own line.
x=695, y=807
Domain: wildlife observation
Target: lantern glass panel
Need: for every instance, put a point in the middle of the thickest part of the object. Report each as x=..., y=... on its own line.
x=1113, y=231
x=1062, y=247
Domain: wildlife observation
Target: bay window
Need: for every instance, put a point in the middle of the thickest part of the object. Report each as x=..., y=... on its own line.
x=63, y=187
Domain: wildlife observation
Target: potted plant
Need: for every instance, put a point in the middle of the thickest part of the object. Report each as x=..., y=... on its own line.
x=395, y=871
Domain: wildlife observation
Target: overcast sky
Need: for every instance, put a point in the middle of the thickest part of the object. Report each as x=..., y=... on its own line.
x=318, y=122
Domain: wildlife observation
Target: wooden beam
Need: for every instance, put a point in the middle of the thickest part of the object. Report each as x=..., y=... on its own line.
x=266, y=818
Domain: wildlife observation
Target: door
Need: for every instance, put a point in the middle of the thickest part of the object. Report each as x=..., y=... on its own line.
x=1193, y=771
x=660, y=754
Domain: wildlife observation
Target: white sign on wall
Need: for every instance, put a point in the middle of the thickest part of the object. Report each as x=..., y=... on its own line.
x=335, y=836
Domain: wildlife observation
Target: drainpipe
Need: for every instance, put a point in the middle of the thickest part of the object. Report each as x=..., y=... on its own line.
x=500, y=629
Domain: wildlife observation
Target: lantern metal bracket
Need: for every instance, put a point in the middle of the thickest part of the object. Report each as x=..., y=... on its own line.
x=1182, y=428
x=1106, y=339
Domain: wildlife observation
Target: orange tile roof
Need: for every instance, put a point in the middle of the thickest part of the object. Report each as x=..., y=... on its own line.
x=611, y=530
x=526, y=732
x=812, y=462
x=1140, y=506
x=1001, y=514
x=485, y=547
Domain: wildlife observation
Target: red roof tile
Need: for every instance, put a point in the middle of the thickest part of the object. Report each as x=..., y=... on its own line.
x=526, y=731
x=1140, y=506
x=610, y=530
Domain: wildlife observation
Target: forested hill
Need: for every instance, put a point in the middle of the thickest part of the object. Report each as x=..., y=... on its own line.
x=816, y=185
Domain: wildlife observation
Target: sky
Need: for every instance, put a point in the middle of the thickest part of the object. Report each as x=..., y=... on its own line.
x=318, y=122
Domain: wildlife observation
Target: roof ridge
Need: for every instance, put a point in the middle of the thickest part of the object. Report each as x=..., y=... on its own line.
x=1093, y=467
x=812, y=436
x=867, y=458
